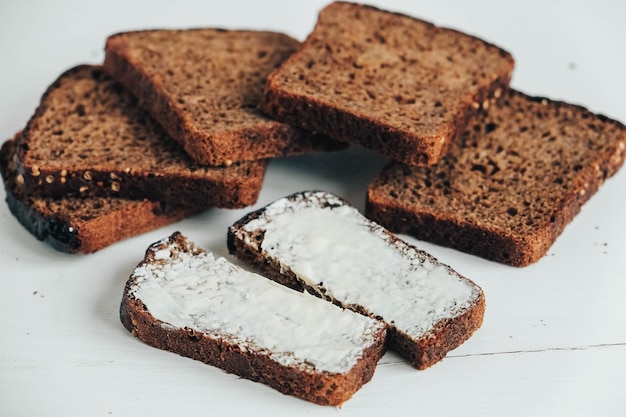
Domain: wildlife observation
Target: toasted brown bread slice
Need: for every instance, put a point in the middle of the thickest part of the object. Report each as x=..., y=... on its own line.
x=315, y=241
x=82, y=225
x=88, y=137
x=392, y=83
x=203, y=86
x=182, y=299
x=508, y=188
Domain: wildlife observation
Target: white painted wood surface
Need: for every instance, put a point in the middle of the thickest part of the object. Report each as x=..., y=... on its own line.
x=554, y=338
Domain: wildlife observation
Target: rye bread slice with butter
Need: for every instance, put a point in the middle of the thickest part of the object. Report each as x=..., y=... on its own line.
x=89, y=138
x=389, y=82
x=82, y=225
x=315, y=241
x=183, y=300
x=520, y=173
x=204, y=86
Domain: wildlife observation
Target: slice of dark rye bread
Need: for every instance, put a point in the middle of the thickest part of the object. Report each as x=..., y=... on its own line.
x=315, y=241
x=82, y=225
x=89, y=137
x=508, y=188
x=183, y=300
x=204, y=85
x=389, y=82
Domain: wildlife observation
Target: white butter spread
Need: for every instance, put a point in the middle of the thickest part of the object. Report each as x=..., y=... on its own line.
x=336, y=250
x=213, y=296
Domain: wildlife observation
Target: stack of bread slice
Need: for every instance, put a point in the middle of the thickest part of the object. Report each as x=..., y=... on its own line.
x=189, y=118
x=476, y=166
x=167, y=127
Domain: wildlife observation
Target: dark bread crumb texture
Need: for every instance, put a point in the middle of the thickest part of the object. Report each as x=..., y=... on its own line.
x=421, y=352
x=323, y=388
x=82, y=225
x=398, y=85
x=508, y=188
x=204, y=86
x=89, y=137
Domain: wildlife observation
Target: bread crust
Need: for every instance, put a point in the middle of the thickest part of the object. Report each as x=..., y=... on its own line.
x=293, y=93
x=422, y=353
x=521, y=232
x=322, y=388
x=260, y=137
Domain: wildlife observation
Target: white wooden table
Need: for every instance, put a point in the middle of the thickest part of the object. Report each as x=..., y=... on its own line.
x=553, y=342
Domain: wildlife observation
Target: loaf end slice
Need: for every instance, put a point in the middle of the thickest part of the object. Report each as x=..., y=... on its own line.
x=315, y=241
x=520, y=173
x=82, y=225
x=389, y=82
x=204, y=86
x=183, y=300
x=89, y=138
